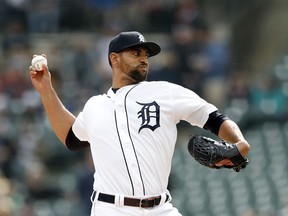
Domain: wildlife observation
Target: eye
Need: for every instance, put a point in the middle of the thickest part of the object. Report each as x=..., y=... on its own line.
x=136, y=53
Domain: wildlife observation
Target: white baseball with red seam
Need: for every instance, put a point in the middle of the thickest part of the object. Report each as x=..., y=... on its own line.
x=38, y=61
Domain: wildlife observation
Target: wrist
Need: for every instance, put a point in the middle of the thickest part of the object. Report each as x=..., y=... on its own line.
x=243, y=147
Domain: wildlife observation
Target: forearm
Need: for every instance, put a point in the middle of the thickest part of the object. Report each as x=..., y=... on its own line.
x=229, y=131
x=59, y=117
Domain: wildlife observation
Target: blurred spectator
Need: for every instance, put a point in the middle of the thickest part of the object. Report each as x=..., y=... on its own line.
x=267, y=99
x=79, y=61
x=159, y=14
x=72, y=15
x=38, y=185
x=238, y=92
x=216, y=51
x=13, y=83
x=13, y=11
x=43, y=16
x=166, y=70
x=96, y=11
x=14, y=36
x=189, y=37
x=10, y=201
x=85, y=182
x=5, y=202
x=7, y=158
x=102, y=67
x=3, y=9
x=187, y=12
x=191, y=62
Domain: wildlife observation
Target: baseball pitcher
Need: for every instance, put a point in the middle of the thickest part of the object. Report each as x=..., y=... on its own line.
x=131, y=131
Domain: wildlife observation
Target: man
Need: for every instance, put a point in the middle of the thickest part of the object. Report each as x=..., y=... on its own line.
x=132, y=131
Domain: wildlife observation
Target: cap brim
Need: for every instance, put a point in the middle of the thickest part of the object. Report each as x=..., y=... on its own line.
x=152, y=47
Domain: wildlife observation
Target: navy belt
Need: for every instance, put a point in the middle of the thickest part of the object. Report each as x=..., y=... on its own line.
x=143, y=203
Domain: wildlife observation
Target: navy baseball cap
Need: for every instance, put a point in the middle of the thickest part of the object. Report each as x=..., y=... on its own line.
x=126, y=40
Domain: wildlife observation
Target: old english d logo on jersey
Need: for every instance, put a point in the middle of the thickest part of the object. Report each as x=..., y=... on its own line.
x=150, y=115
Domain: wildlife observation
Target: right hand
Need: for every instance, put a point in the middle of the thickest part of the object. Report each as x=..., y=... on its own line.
x=41, y=80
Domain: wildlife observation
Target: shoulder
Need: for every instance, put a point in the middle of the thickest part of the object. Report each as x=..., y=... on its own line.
x=160, y=84
x=172, y=88
x=96, y=99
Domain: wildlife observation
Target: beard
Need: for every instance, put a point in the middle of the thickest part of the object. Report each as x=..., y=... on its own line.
x=137, y=75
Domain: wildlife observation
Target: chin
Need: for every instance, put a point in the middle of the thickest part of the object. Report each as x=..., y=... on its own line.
x=139, y=75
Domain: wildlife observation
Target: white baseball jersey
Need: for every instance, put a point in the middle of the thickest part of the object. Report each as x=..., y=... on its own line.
x=132, y=134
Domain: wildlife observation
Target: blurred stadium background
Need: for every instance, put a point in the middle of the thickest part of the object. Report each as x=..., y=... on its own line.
x=233, y=53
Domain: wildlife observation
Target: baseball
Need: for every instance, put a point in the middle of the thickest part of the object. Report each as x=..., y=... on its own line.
x=38, y=61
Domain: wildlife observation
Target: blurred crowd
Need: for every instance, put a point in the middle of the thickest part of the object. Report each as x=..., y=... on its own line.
x=38, y=176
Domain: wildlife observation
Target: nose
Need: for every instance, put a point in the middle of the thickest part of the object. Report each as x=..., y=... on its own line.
x=144, y=59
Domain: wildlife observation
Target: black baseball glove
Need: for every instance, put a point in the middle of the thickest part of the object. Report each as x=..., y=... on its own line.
x=208, y=152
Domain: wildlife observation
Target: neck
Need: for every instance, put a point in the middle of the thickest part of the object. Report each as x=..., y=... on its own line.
x=121, y=79
x=121, y=82
x=118, y=86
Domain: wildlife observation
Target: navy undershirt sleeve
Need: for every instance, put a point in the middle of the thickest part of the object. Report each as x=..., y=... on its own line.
x=73, y=143
x=214, y=122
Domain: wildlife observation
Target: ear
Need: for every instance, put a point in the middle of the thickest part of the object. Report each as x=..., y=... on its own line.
x=114, y=58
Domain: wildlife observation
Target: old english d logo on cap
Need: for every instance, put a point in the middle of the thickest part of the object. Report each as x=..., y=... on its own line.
x=141, y=38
